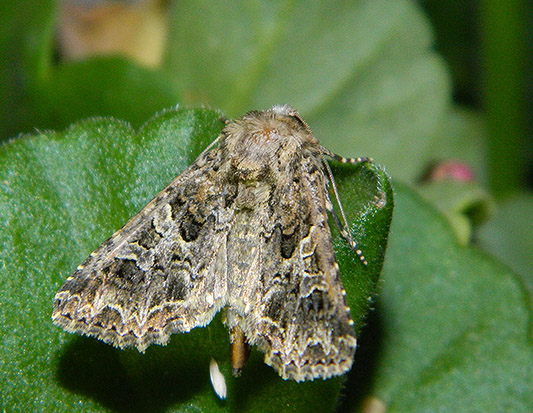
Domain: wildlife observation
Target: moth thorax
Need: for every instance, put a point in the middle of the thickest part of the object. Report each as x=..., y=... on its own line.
x=258, y=155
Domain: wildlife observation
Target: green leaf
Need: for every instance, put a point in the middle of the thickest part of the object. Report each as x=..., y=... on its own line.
x=508, y=235
x=61, y=195
x=363, y=73
x=451, y=330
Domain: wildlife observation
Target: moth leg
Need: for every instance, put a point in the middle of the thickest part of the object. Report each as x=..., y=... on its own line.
x=343, y=227
x=342, y=159
x=239, y=346
x=239, y=349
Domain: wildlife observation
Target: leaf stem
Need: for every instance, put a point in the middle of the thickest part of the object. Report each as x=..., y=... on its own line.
x=504, y=49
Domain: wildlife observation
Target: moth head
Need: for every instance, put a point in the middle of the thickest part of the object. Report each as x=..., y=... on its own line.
x=260, y=141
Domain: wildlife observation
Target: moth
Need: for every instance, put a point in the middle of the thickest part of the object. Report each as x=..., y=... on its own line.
x=245, y=228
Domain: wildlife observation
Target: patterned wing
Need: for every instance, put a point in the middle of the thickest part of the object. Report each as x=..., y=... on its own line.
x=289, y=299
x=146, y=282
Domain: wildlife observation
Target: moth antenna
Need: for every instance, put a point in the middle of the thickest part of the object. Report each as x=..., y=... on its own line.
x=343, y=227
x=208, y=148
